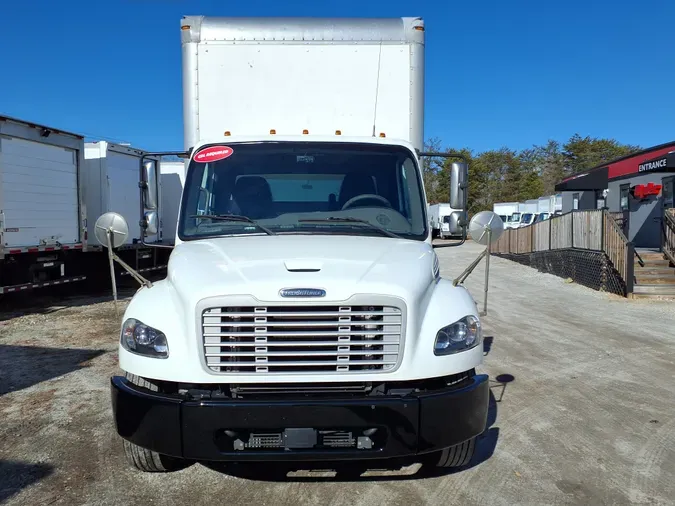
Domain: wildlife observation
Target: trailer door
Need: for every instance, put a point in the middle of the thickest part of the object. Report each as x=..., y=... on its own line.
x=38, y=193
x=123, y=192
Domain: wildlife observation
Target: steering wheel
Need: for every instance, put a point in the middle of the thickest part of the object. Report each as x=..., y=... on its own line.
x=366, y=196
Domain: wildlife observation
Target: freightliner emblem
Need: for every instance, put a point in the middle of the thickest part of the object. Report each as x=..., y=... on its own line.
x=302, y=292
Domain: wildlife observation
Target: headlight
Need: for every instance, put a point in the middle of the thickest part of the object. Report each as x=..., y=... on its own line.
x=141, y=339
x=462, y=335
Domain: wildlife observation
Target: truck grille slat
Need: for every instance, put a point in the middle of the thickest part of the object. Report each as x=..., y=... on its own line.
x=301, y=353
x=302, y=334
x=210, y=341
x=302, y=339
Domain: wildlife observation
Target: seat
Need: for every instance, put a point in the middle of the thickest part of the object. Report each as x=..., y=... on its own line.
x=253, y=197
x=353, y=184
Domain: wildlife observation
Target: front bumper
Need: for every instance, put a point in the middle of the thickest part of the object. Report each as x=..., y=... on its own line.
x=213, y=429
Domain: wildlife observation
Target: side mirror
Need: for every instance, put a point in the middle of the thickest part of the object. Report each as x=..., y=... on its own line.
x=150, y=190
x=456, y=222
x=151, y=222
x=459, y=174
x=486, y=227
x=111, y=230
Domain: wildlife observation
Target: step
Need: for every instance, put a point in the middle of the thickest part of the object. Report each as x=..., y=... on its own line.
x=654, y=263
x=652, y=296
x=651, y=256
x=655, y=289
x=658, y=279
x=647, y=271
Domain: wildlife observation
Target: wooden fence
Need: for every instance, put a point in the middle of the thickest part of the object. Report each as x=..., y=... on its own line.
x=594, y=230
x=668, y=239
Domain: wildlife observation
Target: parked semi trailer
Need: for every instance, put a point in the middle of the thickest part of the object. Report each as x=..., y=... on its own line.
x=42, y=212
x=303, y=316
x=53, y=186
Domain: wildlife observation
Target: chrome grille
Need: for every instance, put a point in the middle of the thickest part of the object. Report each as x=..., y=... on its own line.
x=302, y=339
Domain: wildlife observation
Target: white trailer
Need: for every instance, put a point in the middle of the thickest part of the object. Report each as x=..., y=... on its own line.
x=303, y=316
x=42, y=213
x=110, y=184
x=112, y=170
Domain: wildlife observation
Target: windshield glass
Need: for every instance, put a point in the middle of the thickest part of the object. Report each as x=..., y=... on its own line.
x=280, y=184
x=514, y=217
x=526, y=217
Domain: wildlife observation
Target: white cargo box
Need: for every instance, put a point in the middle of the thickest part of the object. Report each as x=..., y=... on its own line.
x=111, y=176
x=40, y=203
x=248, y=76
x=172, y=176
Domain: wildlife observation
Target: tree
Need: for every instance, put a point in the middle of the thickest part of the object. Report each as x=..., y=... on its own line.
x=583, y=153
x=507, y=175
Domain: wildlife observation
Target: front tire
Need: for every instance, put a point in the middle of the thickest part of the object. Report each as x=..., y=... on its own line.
x=147, y=460
x=457, y=456
x=151, y=462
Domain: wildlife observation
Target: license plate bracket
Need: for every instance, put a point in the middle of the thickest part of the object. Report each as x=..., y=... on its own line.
x=299, y=438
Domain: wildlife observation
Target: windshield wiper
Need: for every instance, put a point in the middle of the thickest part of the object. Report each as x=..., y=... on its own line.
x=347, y=219
x=233, y=217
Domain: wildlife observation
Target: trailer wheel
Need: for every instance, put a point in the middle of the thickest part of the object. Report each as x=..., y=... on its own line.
x=147, y=460
x=458, y=455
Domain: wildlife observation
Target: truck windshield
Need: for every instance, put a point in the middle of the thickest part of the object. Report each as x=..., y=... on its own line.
x=293, y=187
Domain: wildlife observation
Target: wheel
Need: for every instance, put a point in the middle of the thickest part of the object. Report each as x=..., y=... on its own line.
x=151, y=462
x=147, y=460
x=458, y=455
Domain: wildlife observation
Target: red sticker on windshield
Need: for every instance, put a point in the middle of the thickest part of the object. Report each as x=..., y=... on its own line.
x=213, y=154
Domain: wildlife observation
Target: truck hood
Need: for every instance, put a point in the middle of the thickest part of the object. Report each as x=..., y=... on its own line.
x=263, y=265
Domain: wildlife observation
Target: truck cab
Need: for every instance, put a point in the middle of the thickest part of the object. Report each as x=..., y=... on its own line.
x=303, y=315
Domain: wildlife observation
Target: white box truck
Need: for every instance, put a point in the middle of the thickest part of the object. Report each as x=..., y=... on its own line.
x=528, y=212
x=110, y=182
x=444, y=220
x=303, y=316
x=42, y=212
x=508, y=212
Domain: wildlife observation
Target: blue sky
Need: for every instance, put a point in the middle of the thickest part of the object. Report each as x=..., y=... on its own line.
x=499, y=73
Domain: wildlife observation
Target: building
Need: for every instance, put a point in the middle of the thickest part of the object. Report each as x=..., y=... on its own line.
x=640, y=186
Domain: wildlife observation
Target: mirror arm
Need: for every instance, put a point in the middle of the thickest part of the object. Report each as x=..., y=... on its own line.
x=141, y=280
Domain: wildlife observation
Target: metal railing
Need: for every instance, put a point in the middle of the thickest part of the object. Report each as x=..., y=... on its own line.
x=668, y=237
x=592, y=230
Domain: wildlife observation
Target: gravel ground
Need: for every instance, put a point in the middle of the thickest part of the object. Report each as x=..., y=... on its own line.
x=583, y=410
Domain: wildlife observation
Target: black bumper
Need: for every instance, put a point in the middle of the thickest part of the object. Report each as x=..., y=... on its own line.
x=212, y=430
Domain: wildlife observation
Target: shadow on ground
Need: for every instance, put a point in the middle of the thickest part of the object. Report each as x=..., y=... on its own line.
x=20, y=475
x=388, y=470
x=24, y=366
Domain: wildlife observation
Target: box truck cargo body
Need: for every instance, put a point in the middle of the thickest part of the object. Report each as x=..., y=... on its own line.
x=303, y=316
x=360, y=77
x=110, y=184
x=42, y=213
